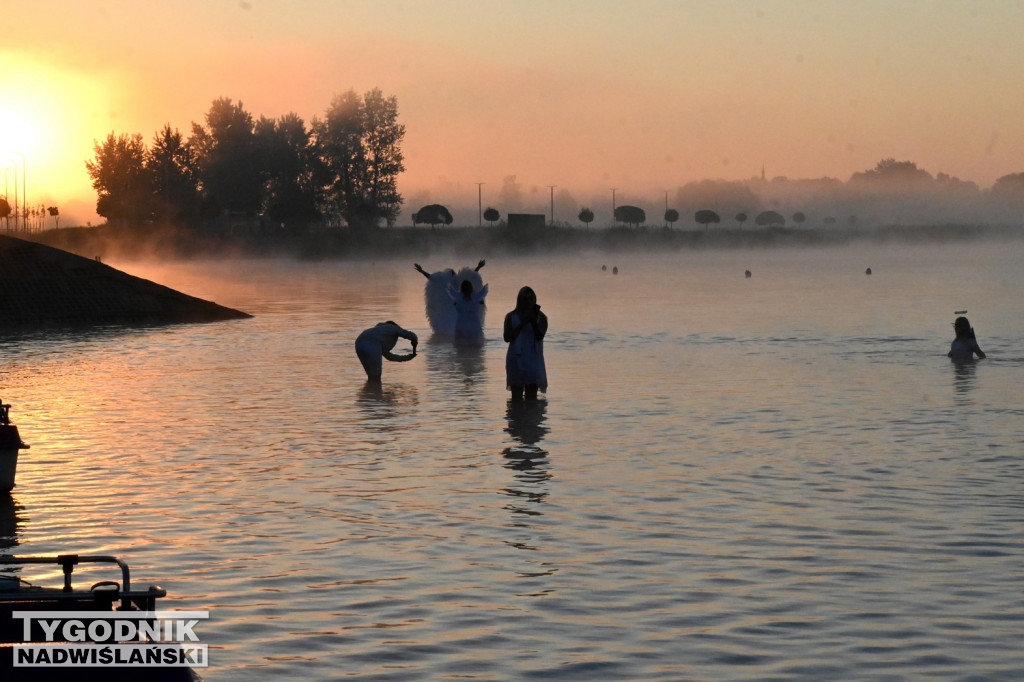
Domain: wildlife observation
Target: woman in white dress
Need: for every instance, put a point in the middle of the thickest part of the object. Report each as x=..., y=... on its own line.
x=439, y=308
x=525, y=328
x=469, y=313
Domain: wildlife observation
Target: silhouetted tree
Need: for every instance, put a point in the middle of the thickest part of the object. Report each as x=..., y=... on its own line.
x=799, y=218
x=893, y=175
x=586, y=216
x=770, y=218
x=227, y=159
x=1009, y=188
x=432, y=214
x=741, y=218
x=120, y=179
x=492, y=216
x=511, y=194
x=671, y=216
x=171, y=165
x=55, y=214
x=631, y=215
x=729, y=197
x=286, y=162
x=829, y=221
x=358, y=144
x=5, y=210
x=706, y=217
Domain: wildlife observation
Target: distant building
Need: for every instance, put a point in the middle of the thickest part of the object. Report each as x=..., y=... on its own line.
x=526, y=221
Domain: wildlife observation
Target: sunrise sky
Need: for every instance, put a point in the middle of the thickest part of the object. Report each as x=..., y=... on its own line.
x=640, y=95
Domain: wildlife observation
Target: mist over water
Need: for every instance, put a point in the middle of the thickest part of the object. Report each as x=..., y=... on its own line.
x=775, y=477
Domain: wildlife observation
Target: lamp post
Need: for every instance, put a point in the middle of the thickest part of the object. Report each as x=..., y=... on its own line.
x=23, y=173
x=7, y=167
x=480, y=203
x=552, y=188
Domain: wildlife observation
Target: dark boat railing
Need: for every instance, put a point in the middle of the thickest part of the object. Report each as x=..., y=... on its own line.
x=142, y=599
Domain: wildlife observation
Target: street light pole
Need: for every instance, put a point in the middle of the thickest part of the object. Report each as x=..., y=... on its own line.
x=552, y=188
x=480, y=203
x=23, y=174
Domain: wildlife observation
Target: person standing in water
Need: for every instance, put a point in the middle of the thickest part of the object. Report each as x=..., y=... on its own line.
x=375, y=344
x=439, y=309
x=469, y=308
x=525, y=328
x=965, y=345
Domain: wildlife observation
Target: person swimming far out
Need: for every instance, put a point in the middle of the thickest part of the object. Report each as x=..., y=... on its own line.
x=965, y=345
x=439, y=309
x=469, y=305
x=525, y=328
x=374, y=345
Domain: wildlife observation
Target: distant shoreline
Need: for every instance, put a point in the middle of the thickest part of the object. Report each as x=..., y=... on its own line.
x=406, y=242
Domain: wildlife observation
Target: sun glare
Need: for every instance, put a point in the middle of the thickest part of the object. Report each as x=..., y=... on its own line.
x=48, y=118
x=16, y=132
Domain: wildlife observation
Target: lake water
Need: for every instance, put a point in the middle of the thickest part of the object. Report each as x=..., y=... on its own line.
x=780, y=477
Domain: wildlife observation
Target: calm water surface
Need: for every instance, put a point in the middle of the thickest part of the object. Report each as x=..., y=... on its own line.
x=780, y=477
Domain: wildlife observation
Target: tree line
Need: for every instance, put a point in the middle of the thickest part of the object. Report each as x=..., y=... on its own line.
x=341, y=169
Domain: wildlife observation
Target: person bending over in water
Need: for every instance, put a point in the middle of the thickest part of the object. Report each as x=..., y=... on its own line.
x=965, y=345
x=375, y=344
x=525, y=328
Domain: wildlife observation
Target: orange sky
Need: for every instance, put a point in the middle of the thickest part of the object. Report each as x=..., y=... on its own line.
x=641, y=95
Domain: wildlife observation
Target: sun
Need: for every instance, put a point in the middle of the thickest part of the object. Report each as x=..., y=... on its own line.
x=16, y=131
x=48, y=123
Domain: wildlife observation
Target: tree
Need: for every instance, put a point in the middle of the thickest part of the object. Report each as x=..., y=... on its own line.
x=1009, y=188
x=286, y=164
x=729, y=197
x=171, y=165
x=358, y=146
x=383, y=137
x=5, y=209
x=120, y=179
x=770, y=219
x=492, y=216
x=671, y=216
x=799, y=218
x=432, y=214
x=893, y=175
x=741, y=218
x=55, y=214
x=586, y=216
x=706, y=217
x=228, y=164
x=511, y=194
x=631, y=215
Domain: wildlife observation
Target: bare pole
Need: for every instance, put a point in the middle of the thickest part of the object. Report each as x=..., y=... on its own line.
x=15, y=166
x=480, y=203
x=552, y=188
x=613, y=203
